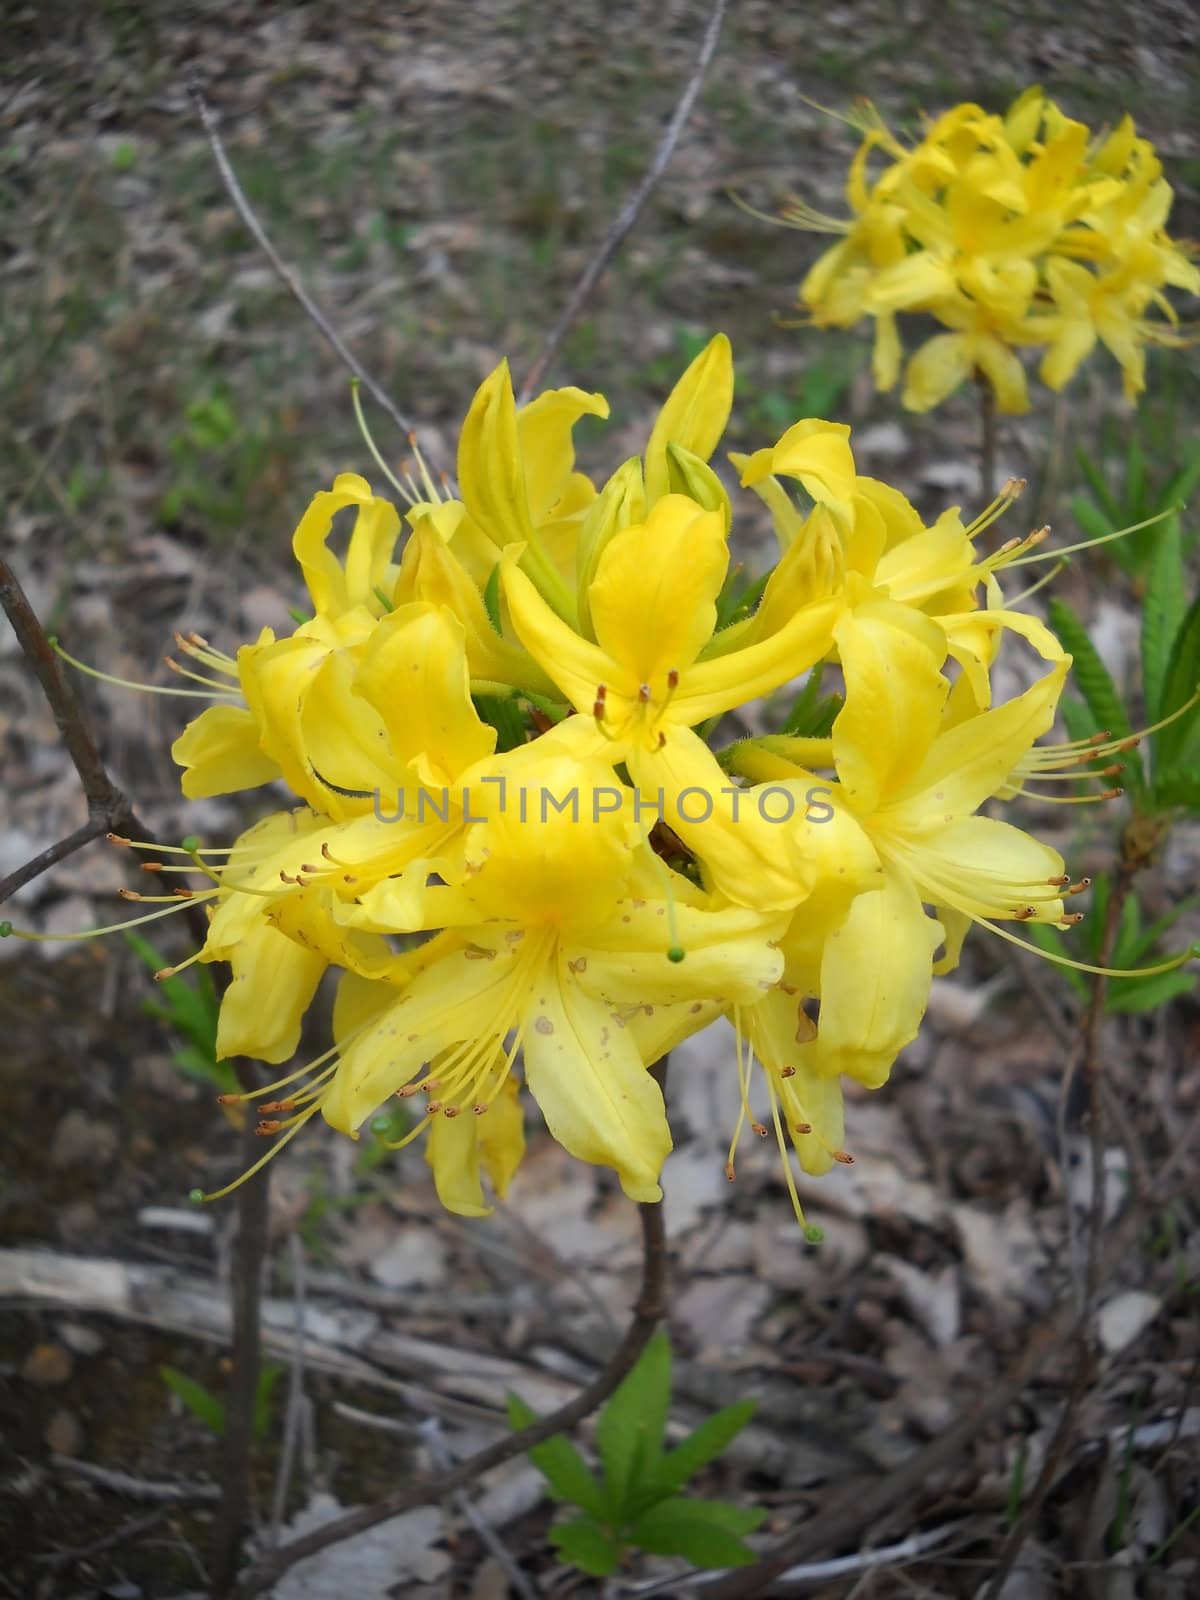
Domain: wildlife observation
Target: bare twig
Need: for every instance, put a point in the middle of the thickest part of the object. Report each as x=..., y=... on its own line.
x=135, y=1528
x=285, y=274
x=431, y=1431
x=630, y=211
x=295, y=1400
x=246, y=1289
x=108, y=809
x=647, y=1313
x=134, y=1488
x=818, y=1572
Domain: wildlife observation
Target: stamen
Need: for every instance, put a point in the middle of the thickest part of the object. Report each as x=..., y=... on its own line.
x=368, y=440
x=1104, y=538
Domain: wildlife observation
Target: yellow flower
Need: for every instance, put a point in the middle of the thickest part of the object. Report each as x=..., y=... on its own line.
x=561, y=930
x=983, y=224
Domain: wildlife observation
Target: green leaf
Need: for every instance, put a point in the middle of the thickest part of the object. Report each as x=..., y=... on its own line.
x=586, y=1546
x=1182, y=677
x=1049, y=939
x=1178, y=788
x=630, y=1428
x=706, y=1532
x=491, y=598
x=264, y=1390
x=1135, y=480
x=1093, y=681
x=1093, y=523
x=563, y=1468
x=1162, y=613
x=1179, y=486
x=703, y=1445
x=200, y=1401
x=1127, y=996
x=1098, y=484
x=505, y=716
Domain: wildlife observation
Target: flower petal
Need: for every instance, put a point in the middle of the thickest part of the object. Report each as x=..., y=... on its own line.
x=599, y=1101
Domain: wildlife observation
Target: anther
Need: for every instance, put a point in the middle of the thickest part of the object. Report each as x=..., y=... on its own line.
x=802, y=1128
x=152, y=866
x=1081, y=887
x=229, y=1099
x=644, y=693
x=451, y=1111
x=432, y=1109
x=479, y=1110
x=760, y=1129
x=164, y=973
x=116, y=838
x=844, y=1156
x=183, y=894
x=408, y=1091
x=277, y=1105
x=1071, y=918
x=1024, y=914
x=1060, y=882
x=673, y=678
x=1110, y=794
x=729, y=1172
x=267, y=1129
x=787, y=1072
x=129, y=894
x=599, y=702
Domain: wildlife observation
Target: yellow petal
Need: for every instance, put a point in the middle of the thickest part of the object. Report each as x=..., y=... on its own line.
x=459, y=1146
x=414, y=673
x=491, y=473
x=818, y=454
x=936, y=370
x=973, y=760
x=376, y=525
x=694, y=414
x=547, y=449
x=653, y=600
x=220, y=754
x=891, y=658
x=273, y=984
x=875, y=977
x=592, y=1086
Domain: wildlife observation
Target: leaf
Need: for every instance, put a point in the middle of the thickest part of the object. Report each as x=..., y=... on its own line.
x=1179, y=486
x=587, y=1546
x=491, y=598
x=703, y=1445
x=1182, y=677
x=1131, y=995
x=263, y=1392
x=1093, y=681
x=563, y=1468
x=630, y=1428
x=200, y=1401
x=1099, y=487
x=1162, y=613
x=706, y=1532
x=1178, y=788
x=1049, y=939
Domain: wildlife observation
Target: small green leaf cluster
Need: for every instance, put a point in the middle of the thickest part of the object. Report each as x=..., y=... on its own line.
x=1135, y=946
x=210, y=1410
x=189, y=1007
x=1140, y=497
x=1163, y=774
x=636, y=1500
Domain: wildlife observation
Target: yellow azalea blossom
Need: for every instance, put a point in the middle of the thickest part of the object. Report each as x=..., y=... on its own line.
x=981, y=225
x=557, y=934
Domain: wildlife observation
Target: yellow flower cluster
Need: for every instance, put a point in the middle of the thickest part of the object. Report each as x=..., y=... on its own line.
x=497, y=733
x=1014, y=231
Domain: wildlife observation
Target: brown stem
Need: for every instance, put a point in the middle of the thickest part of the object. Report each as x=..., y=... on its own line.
x=233, y=1513
x=647, y=1313
x=630, y=211
x=282, y=271
x=104, y=800
x=1093, y=1077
